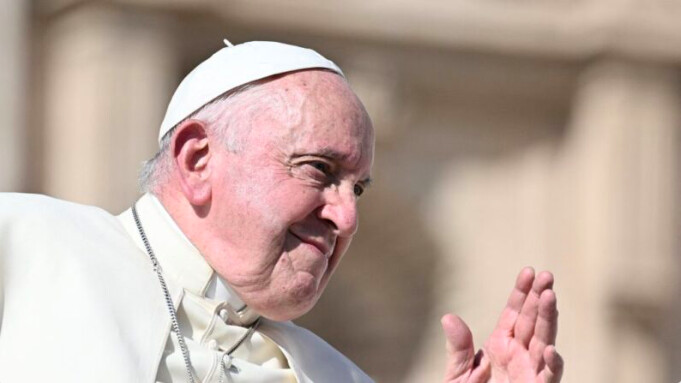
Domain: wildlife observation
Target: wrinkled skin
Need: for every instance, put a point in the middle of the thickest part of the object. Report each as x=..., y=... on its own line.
x=521, y=347
x=275, y=216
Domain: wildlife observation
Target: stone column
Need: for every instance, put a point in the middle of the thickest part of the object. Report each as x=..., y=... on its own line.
x=14, y=49
x=490, y=217
x=596, y=202
x=621, y=171
x=109, y=75
x=490, y=212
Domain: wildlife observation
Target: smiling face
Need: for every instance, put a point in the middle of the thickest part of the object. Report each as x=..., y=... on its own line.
x=283, y=206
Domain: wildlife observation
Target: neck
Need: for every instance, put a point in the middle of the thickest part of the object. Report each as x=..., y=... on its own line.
x=191, y=226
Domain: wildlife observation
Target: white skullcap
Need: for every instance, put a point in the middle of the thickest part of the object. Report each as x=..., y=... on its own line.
x=233, y=66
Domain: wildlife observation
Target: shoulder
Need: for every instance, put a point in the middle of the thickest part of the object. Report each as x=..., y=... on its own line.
x=76, y=265
x=21, y=213
x=47, y=244
x=315, y=359
x=18, y=205
x=38, y=212
x=37, y=227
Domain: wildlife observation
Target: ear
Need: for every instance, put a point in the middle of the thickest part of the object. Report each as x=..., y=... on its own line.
x=191, y=151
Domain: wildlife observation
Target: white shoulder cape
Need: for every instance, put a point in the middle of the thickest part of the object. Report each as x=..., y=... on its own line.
x=79, y=302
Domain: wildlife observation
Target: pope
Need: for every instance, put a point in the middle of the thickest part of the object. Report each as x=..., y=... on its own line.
x=249, y=206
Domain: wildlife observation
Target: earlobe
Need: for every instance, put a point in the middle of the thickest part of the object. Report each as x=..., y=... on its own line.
x=191, y=150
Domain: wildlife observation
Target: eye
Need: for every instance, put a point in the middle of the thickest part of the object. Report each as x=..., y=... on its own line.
x=321, y=166
x=359, y=190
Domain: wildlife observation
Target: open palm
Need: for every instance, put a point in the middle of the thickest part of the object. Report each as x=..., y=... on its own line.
x=521, y=347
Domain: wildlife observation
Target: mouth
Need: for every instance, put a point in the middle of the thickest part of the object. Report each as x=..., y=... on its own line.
x=324, y=248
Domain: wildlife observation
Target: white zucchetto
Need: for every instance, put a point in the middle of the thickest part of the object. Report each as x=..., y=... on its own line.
x=234, y=66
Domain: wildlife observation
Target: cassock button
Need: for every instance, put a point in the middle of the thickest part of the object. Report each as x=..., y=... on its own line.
x=227, y=365
x=224, y=315
x=227, y=361
x=213, y=344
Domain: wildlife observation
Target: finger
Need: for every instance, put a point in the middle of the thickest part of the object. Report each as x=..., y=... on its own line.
x=545, y=329
x=460, y=351
x=483, y=371
x=547, y=321
x=514, y=305
x=553, y=371
x=527, y=320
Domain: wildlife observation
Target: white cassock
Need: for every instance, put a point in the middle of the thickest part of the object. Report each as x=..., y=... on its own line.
x=80, y=302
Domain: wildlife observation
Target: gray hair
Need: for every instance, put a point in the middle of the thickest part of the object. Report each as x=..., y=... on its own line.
x=218, y=115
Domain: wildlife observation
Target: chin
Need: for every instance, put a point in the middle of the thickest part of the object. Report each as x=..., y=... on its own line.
x=287, y=312
x=292, y=306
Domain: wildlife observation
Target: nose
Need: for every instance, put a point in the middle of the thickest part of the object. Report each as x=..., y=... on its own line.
x=340, y=208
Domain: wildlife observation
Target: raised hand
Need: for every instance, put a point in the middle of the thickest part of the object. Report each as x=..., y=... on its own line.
x=521, y=347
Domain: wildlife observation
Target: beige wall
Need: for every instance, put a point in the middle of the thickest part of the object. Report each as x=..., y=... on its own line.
x=508, y=134
x=14, y=42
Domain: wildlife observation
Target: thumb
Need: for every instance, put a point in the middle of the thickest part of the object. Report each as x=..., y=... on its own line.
x=460, y=351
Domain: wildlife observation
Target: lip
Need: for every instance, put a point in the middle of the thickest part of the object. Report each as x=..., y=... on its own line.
x=322, y=246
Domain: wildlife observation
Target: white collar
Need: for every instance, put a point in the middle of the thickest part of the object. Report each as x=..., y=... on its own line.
x=182, y=262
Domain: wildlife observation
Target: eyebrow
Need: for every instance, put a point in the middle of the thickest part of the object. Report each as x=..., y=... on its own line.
x=332, y=154
x=335, y=155
x=367, y=182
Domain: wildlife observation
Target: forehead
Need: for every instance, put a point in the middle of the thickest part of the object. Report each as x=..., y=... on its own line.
x=316, y=110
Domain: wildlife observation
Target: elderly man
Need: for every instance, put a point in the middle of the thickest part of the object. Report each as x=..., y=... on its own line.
x=251, y=204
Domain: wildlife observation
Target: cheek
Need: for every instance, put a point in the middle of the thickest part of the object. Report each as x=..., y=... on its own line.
x=265, y=217
x=342, y=246
x=255, y=198
x=289, y=202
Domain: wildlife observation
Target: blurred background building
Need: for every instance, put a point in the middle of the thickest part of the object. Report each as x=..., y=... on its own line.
x=508, y=133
